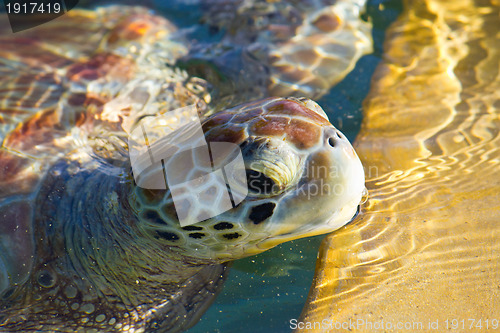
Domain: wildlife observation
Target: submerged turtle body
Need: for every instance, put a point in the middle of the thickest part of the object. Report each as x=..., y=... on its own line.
x=57, y=101
x=82, y=246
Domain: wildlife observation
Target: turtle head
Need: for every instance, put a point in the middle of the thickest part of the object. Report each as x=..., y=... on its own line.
x=298, y=176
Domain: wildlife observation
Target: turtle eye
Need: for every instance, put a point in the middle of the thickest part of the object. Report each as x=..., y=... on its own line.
x=271, y=167
x=260, y=184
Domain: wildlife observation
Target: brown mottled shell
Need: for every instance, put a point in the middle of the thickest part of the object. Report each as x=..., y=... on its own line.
x=287, y=119
x=308, y=45
x=64, y=83
x=57, y=77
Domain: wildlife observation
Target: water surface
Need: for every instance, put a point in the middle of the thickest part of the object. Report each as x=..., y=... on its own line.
x=426, y=248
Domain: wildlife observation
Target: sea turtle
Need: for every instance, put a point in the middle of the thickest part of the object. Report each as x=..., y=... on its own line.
x=83, y=247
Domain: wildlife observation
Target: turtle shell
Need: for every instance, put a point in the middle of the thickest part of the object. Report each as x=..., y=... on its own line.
x=308, y=46
x=72, y=89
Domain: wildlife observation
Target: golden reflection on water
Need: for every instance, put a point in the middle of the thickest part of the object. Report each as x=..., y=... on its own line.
x=427, y=244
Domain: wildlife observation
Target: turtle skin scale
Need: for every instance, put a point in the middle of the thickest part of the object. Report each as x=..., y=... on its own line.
x=82, y=247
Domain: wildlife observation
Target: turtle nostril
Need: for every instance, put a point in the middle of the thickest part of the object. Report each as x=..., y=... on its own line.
x=338, y=134
x=331, y=142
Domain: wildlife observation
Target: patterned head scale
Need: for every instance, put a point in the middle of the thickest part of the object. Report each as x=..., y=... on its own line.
x=301, y=178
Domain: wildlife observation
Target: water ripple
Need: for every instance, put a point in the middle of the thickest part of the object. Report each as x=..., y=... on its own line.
x=426, y=244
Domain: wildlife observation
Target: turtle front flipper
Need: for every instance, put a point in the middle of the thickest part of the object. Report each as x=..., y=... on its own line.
x=195, y=295
x=295, y=48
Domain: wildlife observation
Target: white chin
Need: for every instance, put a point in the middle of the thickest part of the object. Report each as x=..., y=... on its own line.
x=344, y=215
